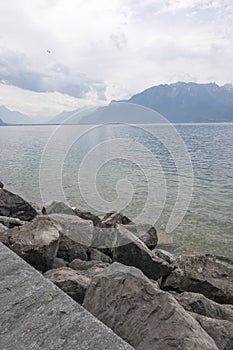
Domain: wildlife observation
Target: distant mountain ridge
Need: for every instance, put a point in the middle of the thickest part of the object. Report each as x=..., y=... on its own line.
x=189, y=102
x=14, y=117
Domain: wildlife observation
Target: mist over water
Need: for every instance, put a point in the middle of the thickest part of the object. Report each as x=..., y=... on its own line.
x=208, y=224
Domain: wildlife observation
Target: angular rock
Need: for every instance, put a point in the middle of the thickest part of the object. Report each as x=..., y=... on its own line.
x=146, y=317
x=36, y=242
x=198, y=303
x=75, y=228
x=70, y=281
x=14, y=206
x=86, y=215
x=11, y=222
x=146, y=233
x=94, y=254
x=113, y=218
x=69, y=250
x=36, y=314
x=88, y=268
x=220, y=330
x=169, y=257
x=202, y=274
x=132, y=251
x=55, y=207
x=58, y=262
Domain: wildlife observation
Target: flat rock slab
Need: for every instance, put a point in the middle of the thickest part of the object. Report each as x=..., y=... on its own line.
x=35, y=314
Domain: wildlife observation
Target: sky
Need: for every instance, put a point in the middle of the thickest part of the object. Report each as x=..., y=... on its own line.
x=60, y=55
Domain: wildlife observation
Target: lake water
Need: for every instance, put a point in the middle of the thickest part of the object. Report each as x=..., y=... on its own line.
x=116, y=172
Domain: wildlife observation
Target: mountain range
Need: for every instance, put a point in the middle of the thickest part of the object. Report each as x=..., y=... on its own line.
x=179, y=103
x=13, y=117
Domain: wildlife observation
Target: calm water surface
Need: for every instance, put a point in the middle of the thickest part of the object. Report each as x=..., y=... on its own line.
x=208, y=223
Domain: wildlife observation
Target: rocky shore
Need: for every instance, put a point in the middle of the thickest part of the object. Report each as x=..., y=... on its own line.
x=112, y=267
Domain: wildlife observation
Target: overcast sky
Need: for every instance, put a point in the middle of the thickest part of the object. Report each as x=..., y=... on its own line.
x=61, y=54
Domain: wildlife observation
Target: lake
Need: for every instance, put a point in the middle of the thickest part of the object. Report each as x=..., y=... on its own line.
x=138, y=169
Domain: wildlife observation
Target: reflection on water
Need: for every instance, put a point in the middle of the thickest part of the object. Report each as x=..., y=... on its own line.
x=208, y=224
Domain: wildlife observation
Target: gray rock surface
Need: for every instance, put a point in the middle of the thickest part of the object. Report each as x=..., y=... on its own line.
x=14, y=206
x=198, y=303
x=208, y=275
x=11, y=222
x=86, y=215
x=169, y=257
x=220, y=330
x=69, y=250
x=58, y=262
x=3, y=228
x=146, y=233
x=70, y=281
x=88, y=268
x=146, y=317
x=75, y=228
x=36, y=242
x=113, y=218
x=96, y=255
x=131, y=251
x=55, y=207
x=35, y=314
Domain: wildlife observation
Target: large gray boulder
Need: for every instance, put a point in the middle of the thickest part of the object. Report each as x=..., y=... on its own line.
x=55, y=207
x=70, y=281
x=146, y=233
x=208, y=275
x=58, y=262
x=16, y=207
x=36, y=242
x=146, y=317
x=163, y=254
x=131, y=251
x=220, y=330
x=3, y=228
x=75, y=228
x=198, y=303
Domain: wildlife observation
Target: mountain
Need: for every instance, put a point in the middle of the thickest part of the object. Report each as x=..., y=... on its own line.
x=14, y=117
x=189, y=102
x=2, y=122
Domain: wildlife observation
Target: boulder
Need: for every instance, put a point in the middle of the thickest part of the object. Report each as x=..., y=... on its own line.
x=58, y=262
x=86, y=215
x=203, y=274
x=220, y=330
x=130, y=250
x=71, y=282
x=146, y=233
x=69, y=250
x=11, y=222
x=16, y=207
x=198, y=303
x=88, y=268
x=94, y=254
x=75, y=228
x=36, y=242
x=146, y=317
x=169, y=257
x=113, y=218
x=55, y=207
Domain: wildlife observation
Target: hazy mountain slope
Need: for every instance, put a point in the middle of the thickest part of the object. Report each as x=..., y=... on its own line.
x=189, y=102
x=2, y=122
x=14, y=117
